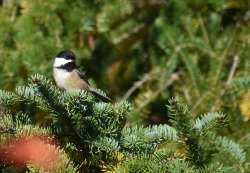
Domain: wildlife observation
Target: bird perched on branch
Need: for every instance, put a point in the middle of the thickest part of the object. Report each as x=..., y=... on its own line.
x=68, y=76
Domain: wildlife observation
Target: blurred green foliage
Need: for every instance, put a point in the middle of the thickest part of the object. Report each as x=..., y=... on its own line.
x=146, y=51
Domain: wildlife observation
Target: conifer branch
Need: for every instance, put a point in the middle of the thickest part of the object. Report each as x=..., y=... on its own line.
x=150, y=137
x=208, y=121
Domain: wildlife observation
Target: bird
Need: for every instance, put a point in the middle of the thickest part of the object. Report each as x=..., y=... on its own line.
x=68, y=76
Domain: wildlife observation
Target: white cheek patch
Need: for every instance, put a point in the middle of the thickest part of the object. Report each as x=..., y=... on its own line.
x=61, y=61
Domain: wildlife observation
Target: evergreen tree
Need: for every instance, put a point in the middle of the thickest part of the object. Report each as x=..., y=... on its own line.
x=92, y=135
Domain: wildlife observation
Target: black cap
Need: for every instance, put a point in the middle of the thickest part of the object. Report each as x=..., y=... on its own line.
x=67, y=54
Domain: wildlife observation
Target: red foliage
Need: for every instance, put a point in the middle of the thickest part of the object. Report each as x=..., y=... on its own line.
x=40, y=151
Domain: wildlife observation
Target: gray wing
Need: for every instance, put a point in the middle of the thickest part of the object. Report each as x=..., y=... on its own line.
x=83, y=76
x=93, y=91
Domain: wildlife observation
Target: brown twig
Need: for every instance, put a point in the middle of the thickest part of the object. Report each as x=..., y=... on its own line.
x=229, y=81
x=147, y=77
x=233, y=70
x=173, y=78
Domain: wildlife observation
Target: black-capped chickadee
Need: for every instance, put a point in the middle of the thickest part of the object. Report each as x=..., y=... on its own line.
x=68, y=77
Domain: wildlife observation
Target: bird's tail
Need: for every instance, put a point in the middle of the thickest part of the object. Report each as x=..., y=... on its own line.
x=100, y=96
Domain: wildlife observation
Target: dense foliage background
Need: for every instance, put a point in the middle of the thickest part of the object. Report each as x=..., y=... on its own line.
x=143, y=51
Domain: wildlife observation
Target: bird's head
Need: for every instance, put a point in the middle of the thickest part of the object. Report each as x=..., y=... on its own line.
x=65, y=60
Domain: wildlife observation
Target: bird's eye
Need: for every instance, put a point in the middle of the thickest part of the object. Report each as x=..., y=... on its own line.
x=70, y=57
